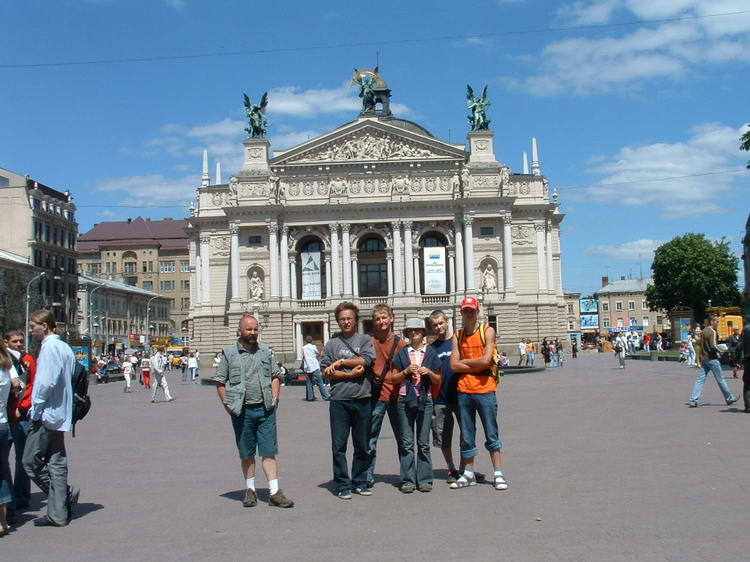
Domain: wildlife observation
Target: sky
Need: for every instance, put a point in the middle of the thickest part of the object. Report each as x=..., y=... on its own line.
x=637, y=105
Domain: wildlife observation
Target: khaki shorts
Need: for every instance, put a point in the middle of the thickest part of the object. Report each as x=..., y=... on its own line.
x=442, y=424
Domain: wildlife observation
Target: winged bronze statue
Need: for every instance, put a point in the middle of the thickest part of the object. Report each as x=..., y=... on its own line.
x=478, y=106
x=366, y=81
x=256, y=117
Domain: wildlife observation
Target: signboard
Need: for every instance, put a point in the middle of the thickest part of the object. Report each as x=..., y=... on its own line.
x=589, y=305
x=684, y=329
x=312, y=287
x=433, y=260
x=589, y=321
x=82, y=351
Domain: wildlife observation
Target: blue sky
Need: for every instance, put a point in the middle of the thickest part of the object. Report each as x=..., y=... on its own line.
x=620, y=94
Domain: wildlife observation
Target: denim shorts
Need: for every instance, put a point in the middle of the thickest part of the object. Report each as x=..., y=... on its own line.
x=469, y=405
x=442, y=424
x=255, y=428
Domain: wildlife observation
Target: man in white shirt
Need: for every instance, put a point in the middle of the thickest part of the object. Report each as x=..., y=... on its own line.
x=51, y=414
x=310, y=355
x=522, y=352
x=158, y=366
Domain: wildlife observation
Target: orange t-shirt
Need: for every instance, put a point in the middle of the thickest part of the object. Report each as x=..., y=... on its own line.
x=389, y=391
x=472, y=382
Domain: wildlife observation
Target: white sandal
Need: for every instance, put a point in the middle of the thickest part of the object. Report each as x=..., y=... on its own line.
x=463, y=482
x=500, y=483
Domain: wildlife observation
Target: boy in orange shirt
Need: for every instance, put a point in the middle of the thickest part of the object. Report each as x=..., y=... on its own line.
x=472, y=360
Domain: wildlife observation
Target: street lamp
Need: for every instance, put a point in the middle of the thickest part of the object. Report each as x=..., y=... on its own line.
x=28, y=300
x=91, y=309
x=148, y=321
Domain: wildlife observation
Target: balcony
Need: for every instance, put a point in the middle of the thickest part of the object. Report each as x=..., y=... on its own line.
x=372, y=301
x=311, y=304
x=436, y=299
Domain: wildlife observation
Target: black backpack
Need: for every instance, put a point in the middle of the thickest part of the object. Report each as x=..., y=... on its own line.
x=81, y=400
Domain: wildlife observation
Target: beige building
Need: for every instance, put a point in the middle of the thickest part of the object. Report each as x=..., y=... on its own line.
x=623, y=305
x=39, y=225
x=573, y=317
x=149, y=254
x=376, y=211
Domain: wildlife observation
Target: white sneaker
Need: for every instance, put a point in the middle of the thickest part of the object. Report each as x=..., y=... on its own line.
x=500, y=483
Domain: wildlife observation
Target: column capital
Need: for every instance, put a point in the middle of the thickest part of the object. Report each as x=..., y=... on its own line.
x=451, y=254
x=234, y=228
x=468, y=220
x=328, y=259
x=273, y=227
x=333, y=226
x=285, y=230
x=408, y=224
x=507, y=217
x=292, y=259
x=345, y=226
x=539, y=227
x=396, y=225
x=205, y=240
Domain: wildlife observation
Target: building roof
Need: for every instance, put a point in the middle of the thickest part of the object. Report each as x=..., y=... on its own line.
x=168, y=234
x=84, y=280
x=625, y=286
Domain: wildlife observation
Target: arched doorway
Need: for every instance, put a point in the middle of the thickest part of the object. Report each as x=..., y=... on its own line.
x=373, y=267
x=311, y=271
x=433, y=278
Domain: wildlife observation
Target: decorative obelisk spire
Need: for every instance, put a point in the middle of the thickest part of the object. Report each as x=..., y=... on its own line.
x=218, y=173
x=205, y=180
x=525, y=163
x=535, y=169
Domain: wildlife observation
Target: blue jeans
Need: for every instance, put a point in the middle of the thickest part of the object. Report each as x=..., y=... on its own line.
x=714, y=366
x=379, y=409
x=21, y=480
x=6, y=481
x=421, y=473
x=349, y=416
x=530, y=358
x=469, y=405
x=315, y=378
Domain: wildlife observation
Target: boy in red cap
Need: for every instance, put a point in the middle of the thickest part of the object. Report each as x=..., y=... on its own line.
x=472, y=357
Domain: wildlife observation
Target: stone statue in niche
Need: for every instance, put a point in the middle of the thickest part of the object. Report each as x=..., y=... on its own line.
x=338, y=187
x=256, y=287
x=488, y=279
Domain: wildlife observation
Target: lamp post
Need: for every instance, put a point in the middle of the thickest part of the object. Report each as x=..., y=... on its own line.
x=148, y=322
x=91, y=308
x=28, y=300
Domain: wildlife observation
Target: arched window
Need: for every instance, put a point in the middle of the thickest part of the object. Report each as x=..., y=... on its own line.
x=311, y=271
x=373, y=268
x=433, y=265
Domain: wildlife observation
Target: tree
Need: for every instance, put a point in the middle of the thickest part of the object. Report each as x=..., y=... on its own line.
x=745, y=144
x=689, y=270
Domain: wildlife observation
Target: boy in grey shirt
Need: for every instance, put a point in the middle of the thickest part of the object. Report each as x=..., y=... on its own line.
x=346, y=359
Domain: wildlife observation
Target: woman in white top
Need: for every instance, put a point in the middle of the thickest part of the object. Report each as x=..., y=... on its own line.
x=127, y=370
x=192, y=364
x=8, y=382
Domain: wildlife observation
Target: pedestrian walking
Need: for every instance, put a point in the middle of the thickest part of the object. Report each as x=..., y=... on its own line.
x=192, y=366
x=346, y=357
x=530, y=352
x=710, y=363
x=734, y=343
x=311, y=368
x=159, y=365
x=127, y=371
x=473, y=355
x=522, y=351
x=574, y=350
x=9, y=383
x=385, y=390
x=619, y=349
x=249, y=386
x=146, y=371
x=45, y=458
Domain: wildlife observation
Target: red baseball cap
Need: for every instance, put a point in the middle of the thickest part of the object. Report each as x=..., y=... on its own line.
x=470, y=302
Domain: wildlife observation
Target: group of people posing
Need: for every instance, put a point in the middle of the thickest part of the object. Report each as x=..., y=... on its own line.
x=419, y=386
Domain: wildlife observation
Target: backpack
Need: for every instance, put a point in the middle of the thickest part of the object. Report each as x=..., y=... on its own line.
x=495, y=358
x=81, y=400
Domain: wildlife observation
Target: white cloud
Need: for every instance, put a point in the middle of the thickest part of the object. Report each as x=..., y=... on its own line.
x=292, y=138
x=696, y=190
x=290, y=100
x=154, y=189
x=176, y=4
x=670, y=50
x=106, y=213
x=628, y=251
x=475, y=41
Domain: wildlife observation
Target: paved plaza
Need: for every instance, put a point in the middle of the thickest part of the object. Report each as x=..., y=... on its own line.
x=603, y=464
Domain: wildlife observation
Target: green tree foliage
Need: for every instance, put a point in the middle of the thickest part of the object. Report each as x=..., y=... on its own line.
x=689, y=270
x=745, y=144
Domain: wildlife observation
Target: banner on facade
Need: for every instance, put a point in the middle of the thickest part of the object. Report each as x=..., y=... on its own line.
x=434, y=270
x=311, y=277
x=589, y=321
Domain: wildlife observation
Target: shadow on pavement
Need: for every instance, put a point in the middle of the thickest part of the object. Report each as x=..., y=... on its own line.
x=239, y=495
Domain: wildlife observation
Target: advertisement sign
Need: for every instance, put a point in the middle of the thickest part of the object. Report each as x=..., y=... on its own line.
x=589, y=305
x=684, y=329
x=312, y=287
x=434, y=270
x=589, y=321
x=82, y=351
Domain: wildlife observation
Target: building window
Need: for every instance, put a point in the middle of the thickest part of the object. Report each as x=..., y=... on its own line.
x=144, y=267
x=606, y=323
x=93, y=269
x=185, y=284
x=37, y=204
x=254, y=240
x=167, y=267
x=185, y=266
x=148, y=285
x=486, y=231
x=571, y=310
x=645, y=321
x=373, y=268
x=633, y=321
x=47, y=233
x=171, y=304
x=631, y=305
x=571, y=325
x=166, y=285
x=605, y=307
x=130, y=267
x=185, y=304
x=659, y=320
x=620, y=323
x=618, y=306
x=644, y=305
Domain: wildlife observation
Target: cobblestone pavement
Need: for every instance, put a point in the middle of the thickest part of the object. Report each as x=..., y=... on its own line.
x=603, y=464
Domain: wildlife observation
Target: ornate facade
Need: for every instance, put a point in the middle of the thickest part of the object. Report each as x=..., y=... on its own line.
x=378, y=210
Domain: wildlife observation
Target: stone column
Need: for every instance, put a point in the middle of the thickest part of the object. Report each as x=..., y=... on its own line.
x=328, y=276
x=469, y=252
x=234, y=259
x=197, y=290
x=460, y=272
x=397, y=286
x=452, y=271
x=285, y=262
x=416, y=276
x=389, y=262
x=273, y=246
x=326, y=332
x=540, y=260
x=355, y=276
x=347, y=259
x=335, y=259
x=548, y=254
x=293, y=277
x=408, y=260
x=298, y=339
x=508, y=254
x=205, y=277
